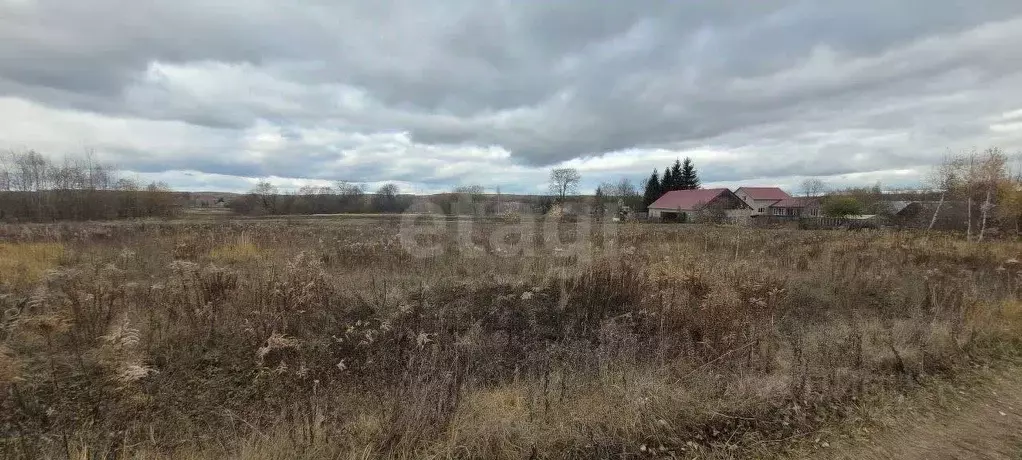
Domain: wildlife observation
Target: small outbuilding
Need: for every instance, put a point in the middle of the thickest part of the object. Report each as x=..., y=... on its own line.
x=797, y=207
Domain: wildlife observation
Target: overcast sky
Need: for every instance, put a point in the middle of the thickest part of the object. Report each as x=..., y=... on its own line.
x=214, y=95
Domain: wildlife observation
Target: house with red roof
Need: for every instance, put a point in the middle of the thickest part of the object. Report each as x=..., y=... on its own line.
x=686, y=205
x=761, y=198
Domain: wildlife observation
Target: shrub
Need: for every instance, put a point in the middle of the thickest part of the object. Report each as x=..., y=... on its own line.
x=841, y=206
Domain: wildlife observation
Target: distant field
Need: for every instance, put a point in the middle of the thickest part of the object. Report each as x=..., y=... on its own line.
x=329, y=337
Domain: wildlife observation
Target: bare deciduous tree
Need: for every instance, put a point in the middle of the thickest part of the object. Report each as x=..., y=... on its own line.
x=385, y=199
x=34, y=187
x=973, y=177
x=352, y=196
x=813, y=187
x=1009, y=206
x=267, y=195
x=621, y=194
x=564, y=181
x=468, y=199
x=349, y=188
x=620, y=189
x=992, y=172
x=943, y=177
x=315, y=190
x=469, y=189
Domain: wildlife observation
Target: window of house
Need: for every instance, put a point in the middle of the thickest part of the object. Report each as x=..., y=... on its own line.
x=760, y=210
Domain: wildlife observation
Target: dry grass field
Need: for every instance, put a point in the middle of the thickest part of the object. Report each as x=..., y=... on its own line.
x=326, y=338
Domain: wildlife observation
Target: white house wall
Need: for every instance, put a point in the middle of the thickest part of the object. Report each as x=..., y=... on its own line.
x=658, y=212
x=738, y=213
x=756, y=204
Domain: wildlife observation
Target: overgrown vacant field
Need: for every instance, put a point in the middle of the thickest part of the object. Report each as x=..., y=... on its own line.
x=327, y=339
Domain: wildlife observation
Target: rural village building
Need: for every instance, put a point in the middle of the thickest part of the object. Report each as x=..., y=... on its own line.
x=684, y=205
x=797, y=207
x=771, y=203
x=761, y=198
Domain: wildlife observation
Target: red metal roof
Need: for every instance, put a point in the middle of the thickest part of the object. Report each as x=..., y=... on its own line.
x=688, y=200
x=764, y=193
x=797, y=202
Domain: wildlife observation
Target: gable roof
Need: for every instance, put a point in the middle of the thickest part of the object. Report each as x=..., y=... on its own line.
x=798, y=202
x=914, y=207
x=688, y=199
x=897, y=206
x=764, y=193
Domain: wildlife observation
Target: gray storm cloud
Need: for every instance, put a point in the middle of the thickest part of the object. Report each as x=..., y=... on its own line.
x=414, y=91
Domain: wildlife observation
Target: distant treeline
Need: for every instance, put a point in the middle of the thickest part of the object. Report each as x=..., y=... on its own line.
x=264, y=199
x=35, y=189
x=345, y=198
x=262, y=205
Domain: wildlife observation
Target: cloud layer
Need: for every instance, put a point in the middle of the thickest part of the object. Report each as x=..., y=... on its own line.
x=435, y=94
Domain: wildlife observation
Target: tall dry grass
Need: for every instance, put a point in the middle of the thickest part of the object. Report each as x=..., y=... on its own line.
x=325, y=339
x=25, y=263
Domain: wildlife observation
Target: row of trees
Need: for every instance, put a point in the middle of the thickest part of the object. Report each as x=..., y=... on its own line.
x=343, y=197
x=978, y=189
x=34, y=188
x=973, y=191
x=679, y=176
x=346, y=197
x=992, y=192
x=563, y=182
x=621, y=195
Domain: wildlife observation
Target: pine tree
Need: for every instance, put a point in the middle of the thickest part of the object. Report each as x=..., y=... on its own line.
x=667, y=182
x=652, y=191
x=676, y=176
x=687, y=178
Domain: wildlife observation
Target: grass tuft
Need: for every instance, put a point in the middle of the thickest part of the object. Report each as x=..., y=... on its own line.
x=239, y=251
x=26, y=263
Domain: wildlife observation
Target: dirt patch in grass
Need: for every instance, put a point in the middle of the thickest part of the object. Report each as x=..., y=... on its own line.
x=978, y=415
